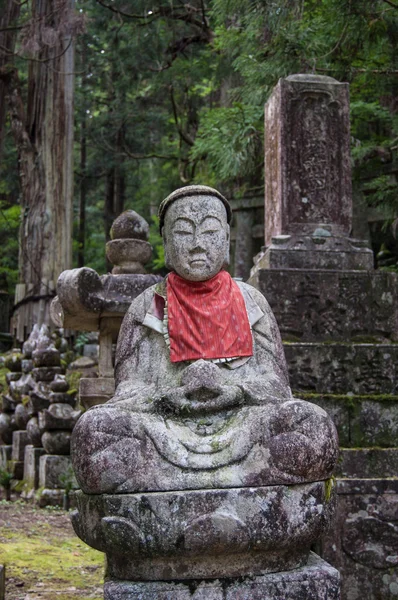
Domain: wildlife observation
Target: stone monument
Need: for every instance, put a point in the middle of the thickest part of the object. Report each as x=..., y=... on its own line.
x=338, y=318
x=203, y=477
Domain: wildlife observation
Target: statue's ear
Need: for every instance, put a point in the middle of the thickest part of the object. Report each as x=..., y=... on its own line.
x=226, y=258
x=167, y=260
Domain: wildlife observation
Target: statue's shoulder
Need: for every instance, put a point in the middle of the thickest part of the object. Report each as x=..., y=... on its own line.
x=252, y=294
x=142, y=303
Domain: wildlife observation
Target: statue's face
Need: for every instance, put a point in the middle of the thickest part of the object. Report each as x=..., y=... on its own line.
x=196, y=237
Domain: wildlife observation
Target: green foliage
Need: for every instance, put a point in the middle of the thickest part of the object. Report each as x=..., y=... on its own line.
x=155, y=239
x=6, y=477
x=67, y=480
x=174, y=94
x=9, y=225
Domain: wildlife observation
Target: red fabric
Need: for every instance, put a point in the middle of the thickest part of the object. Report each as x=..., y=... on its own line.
x=207, y=319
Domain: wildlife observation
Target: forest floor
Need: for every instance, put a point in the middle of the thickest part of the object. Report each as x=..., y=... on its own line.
x=43, y=557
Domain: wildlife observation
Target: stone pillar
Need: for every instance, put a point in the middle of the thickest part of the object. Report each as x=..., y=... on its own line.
x=244, y=220
x=338, y=318
x=307, y=156
x=308, y=197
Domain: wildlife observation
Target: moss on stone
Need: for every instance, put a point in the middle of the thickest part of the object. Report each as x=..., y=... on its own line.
x=41, y=555
x=329, y=486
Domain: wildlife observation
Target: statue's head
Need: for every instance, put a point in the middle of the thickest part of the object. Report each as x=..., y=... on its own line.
x=194, y=222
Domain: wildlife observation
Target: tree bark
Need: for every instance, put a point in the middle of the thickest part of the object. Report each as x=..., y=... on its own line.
x=44, y=137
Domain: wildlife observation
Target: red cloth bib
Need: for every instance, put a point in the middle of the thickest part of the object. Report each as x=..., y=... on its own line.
x=207, y=319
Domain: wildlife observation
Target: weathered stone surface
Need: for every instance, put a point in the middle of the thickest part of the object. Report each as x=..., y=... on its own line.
x=320, y=250
x=292, y=442
x=363, y=544
x=22, y=387
x=81, y=363
x=17, y=469
x=33, y=432
x=12, y=377
x=130, y=225
x=7, y=427
x=13, y=361
x=83, y=296
x=31, y=466
x=58, y=416
x=5, y=456
x=361, y=421
x=38, y=400
x=56, y=442
x=30, y=344
x=96, y=391
x=234, y=473
x=205, y=533
x=308, y=182
x=59, y=398
x=332, y=305
x=59, y=384
x=368, y=462
x=8, y=403
x=357, y=368
x=314, y=581
x=51, y=469
x=46, y=373
x=27, y=365
x=48, y=357
x=21, y=416
x=20, y=439
x=128, y=255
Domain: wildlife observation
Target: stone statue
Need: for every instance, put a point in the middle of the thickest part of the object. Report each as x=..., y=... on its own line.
x=202, y=411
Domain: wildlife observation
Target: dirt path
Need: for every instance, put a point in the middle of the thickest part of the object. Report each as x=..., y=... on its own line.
x=44, y=558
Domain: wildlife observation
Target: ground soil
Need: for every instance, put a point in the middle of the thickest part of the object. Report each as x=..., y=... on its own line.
x=43, y=557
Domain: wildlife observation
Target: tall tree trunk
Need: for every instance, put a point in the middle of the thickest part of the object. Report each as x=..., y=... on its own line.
x=44, y=137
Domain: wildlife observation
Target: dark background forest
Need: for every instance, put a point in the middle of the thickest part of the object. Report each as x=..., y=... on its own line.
x=168, y=93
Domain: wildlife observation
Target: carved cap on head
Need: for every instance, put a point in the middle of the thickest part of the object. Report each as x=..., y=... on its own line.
x=187, y=192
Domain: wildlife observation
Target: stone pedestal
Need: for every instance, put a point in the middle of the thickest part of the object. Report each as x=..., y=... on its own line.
x=364, y=538
x=338, y=319
x=316, y=580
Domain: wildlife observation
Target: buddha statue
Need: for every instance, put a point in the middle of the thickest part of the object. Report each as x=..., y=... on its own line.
x=202, y=406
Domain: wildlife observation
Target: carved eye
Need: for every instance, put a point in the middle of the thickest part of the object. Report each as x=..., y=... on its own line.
x=182, y=232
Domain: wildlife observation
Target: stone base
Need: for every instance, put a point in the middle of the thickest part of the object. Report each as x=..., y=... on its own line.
x=363, y=543
x=205, y=534
x=96, y=391
x=317, y=580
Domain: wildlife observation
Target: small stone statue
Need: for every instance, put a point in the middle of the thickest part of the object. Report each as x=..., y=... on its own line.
x=203, y=412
